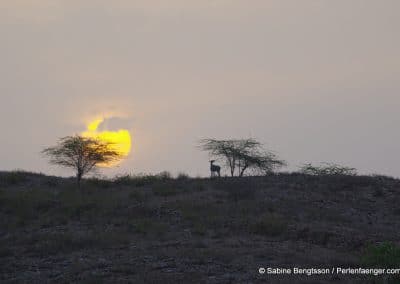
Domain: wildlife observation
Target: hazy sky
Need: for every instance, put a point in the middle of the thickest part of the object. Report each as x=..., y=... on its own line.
x=316, y=80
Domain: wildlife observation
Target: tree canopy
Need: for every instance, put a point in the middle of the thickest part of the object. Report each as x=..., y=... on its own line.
x=242, y=155
x=82, y=154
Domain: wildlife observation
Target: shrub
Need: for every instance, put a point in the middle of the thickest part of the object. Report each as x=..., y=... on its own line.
x=182, y=176
x=384, y=255
x=327, y=169
x=164, y=175
x=141, y=179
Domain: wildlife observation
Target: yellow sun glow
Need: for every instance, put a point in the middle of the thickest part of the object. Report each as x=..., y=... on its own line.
x=120, y=140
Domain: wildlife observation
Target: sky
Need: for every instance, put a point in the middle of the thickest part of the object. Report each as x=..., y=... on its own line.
x=315, y=80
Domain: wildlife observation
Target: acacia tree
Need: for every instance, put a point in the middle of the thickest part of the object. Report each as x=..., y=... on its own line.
x=81, y=154
x=242, y=154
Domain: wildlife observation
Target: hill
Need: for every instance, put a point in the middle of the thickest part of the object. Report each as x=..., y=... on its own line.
x=154, y=229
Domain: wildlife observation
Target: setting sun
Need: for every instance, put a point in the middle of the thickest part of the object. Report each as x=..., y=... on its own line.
x=120, y=139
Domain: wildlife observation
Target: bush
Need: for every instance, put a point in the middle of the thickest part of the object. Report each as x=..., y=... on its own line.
x=327, y=169
x=141, y=179
x=385, y=255
x=164, y=175
x=182, y=176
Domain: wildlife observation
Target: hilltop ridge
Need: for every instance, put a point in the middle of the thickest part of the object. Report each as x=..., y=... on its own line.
x=149, y=229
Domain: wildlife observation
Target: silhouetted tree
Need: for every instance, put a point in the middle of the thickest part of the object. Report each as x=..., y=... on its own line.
x=81, y=154
x=242, y=154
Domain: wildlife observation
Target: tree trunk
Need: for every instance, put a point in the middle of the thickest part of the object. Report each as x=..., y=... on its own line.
x=242, y=171
x=232, y=166
x=79, y=179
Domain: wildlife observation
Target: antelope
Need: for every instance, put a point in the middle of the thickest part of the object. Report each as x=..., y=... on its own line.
x=214, y=169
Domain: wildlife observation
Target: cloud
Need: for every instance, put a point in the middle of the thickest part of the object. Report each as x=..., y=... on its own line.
x=115, y=123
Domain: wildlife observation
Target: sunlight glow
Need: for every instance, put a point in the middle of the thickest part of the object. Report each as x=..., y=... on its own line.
x=120, y=139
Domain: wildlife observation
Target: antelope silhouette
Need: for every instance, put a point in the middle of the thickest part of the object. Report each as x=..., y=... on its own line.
x=215, y=169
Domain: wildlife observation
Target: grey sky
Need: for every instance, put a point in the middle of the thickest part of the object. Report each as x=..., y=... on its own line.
x=316, y=80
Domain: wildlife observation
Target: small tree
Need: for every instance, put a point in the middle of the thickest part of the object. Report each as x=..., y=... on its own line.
x=242, y=155
x=81, y=154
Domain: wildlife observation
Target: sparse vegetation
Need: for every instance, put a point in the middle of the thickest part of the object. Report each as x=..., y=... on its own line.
x=133, y=226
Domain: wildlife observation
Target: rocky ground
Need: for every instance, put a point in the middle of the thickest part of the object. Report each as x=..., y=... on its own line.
x=162, y=230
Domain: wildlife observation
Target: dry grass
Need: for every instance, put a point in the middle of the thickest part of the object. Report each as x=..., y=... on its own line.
x=143, y=229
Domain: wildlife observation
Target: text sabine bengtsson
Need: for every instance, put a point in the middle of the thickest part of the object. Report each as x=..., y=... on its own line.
x=333, y=270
